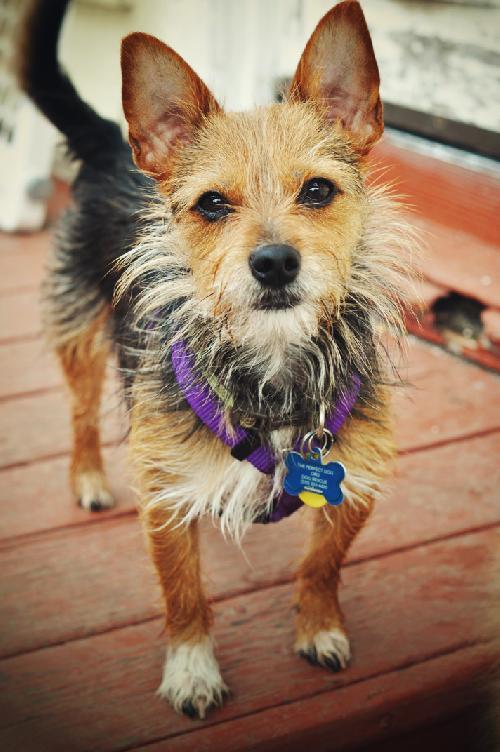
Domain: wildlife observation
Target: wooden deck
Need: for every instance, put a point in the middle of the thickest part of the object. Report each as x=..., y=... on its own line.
x=81, y=644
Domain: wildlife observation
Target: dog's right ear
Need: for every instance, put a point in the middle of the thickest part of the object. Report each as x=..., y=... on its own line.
x=164, y=101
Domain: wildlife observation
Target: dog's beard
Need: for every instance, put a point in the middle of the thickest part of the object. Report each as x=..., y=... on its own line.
x=273, y=362
x=270, y=362
x=270, y=338
x=276, y=364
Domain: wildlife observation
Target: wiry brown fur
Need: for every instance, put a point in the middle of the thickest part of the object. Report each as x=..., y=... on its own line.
x=354, y=262
x=168, y=272
x=83, y=360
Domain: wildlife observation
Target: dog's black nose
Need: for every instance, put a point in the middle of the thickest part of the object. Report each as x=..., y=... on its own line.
x=275, y=265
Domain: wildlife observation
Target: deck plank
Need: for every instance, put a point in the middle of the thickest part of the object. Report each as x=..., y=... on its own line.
x=36, y=497
x=446, y=398
x=458, y=261
x=100, y=691
x=27, y=366
x=72, y=580
x=38, y=426
x=367, y=712
x=22, y=259
x=451, y=195
x=19, y=316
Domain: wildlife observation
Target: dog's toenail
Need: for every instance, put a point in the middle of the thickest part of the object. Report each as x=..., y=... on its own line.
x=189, y=709
x=333, y=663
x=95, y=506
x=310, y=656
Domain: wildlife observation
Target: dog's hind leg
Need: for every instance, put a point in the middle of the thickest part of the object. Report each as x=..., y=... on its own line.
x=83, y=361
x=75, y=316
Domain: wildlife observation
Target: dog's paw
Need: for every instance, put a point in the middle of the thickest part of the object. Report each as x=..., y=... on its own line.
x=330, y=649
x=92, y=493
x=192, y=682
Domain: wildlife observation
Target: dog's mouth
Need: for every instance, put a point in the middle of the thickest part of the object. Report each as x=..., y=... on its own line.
x=276, y=300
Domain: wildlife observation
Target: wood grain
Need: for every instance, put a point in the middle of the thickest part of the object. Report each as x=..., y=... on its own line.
x=73, y=580
x=22, y=261
x=74, y=696
x=458, y=261
x=451, y=195
x=19, y=316
x=368, y=712
x=27, y=366
x=36, y=497
x=38, y=426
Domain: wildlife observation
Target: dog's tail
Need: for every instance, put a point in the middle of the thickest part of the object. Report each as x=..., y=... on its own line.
x=90, y=137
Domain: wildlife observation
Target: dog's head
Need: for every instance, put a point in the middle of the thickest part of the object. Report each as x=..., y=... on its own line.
x=269, y=208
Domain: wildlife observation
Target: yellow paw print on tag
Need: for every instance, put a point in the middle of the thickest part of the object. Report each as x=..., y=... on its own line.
x=312, y=499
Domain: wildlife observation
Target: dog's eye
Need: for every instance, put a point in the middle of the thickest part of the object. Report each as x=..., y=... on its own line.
x=213, y=206
x=317, y=192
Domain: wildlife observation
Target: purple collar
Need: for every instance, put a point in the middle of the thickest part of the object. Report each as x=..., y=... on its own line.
x=242, y=442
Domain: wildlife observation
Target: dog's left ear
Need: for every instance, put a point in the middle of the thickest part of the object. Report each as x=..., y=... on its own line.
x=164, y=102
x=338, y=69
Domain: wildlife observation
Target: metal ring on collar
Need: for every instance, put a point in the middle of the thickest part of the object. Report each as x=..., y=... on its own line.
x=320, y=431
x=323, y=450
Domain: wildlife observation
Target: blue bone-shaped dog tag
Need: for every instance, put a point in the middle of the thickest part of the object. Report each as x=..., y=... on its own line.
x=313, y=482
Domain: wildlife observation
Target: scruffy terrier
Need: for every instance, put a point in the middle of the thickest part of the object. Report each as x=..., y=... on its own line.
x=241, y=274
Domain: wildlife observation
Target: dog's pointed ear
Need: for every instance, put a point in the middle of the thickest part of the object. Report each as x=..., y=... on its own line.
x=338, y=69
x=163, y=100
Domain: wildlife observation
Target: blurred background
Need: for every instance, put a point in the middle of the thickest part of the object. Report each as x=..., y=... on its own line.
x=437, y=59
x=439, y=64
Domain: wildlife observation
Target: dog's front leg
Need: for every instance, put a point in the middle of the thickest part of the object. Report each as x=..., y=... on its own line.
x=191, y=682
x=366, y=450
x=321, y=636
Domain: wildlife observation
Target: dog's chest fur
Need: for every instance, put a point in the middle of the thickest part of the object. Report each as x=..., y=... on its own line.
x=204, y=478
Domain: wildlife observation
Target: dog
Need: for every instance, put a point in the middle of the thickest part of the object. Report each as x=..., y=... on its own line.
x=242, y=267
